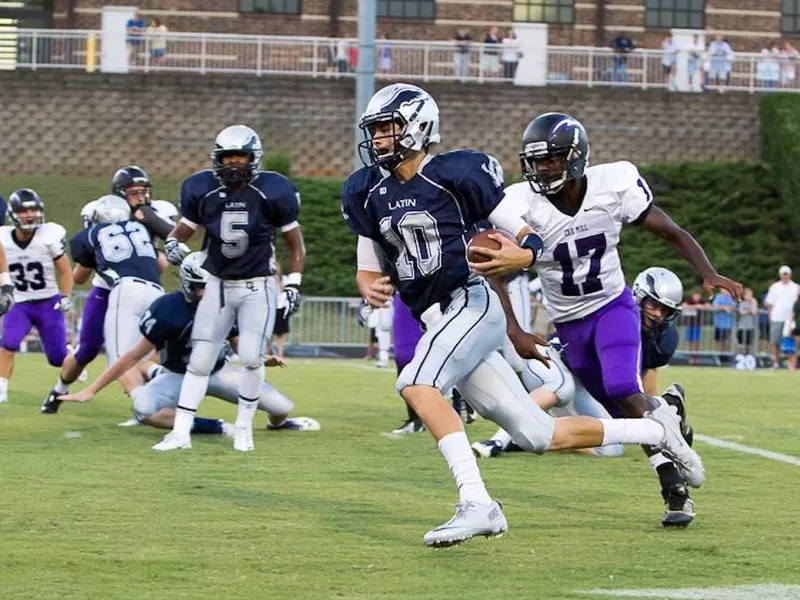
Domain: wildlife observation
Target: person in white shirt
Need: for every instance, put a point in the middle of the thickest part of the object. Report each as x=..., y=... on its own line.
x=721, y=59
x=780, y=301
x=668, y=60
x=696, y=51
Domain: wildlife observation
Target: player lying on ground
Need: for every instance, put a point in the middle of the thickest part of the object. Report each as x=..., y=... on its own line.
x=240, y=208
x=579, y=213
x=659, y=294
x=42, y=277
x=412, y=212
x=132, y=185
x=166, y=328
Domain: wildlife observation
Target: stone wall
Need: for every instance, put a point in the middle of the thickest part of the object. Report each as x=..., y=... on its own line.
x=79, y=123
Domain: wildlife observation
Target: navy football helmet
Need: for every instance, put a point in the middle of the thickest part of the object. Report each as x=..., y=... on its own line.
x=549, y=136
x=237, y=140
x=25, y=200
x=415, y=113
x=128, y=177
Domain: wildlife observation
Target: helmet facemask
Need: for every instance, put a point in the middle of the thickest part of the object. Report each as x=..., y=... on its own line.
x=408, y=136
x=237, y=173
x=138, y=198
x=30, y=221
x=656, y=315
x=550, y=182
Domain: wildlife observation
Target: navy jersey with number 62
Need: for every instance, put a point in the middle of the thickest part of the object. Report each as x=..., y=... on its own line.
x=240, y=223
x=423, y=225
x=125, y=248
x=167, y=325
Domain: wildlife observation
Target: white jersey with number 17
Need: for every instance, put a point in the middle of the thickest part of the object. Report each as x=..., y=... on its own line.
x=580, y=268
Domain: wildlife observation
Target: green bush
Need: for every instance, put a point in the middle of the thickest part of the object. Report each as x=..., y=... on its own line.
x=278, y=160
x=780, y=148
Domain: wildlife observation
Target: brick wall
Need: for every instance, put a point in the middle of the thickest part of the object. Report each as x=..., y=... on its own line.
x=79, y=123
x=732, y=18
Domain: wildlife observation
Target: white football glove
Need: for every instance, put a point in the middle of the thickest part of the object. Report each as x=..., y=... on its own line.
x=176, y=251
x=290, y=300
x=6, y=298
x=64, y=304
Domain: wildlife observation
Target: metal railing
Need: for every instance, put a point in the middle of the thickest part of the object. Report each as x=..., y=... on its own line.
x=331, y=321
x=400, y=59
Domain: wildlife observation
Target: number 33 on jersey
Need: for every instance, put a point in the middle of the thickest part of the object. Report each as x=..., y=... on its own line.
x=580, y=268
x=31, y=264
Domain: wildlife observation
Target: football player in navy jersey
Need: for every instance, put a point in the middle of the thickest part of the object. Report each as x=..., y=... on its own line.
x=240, y=208
x=413, y=213
x=659, y=294
x=166, y=327
x=121, y=252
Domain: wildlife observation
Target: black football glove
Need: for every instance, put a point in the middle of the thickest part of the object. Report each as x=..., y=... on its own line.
x=6, y=298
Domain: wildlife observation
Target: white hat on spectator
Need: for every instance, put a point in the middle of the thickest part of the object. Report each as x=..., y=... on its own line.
x=785, y=270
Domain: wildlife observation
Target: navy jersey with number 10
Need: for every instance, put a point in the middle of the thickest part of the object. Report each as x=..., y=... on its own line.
x=125, y=248
x=423, y=225
x=240, y=223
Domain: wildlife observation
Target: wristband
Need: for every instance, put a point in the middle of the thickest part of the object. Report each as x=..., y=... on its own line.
x=5, y=278
x=535, y=244
x=294, y=279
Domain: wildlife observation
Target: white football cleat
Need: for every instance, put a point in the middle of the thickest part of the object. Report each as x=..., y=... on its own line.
x=243, y=439
x=296, y=424
x=471, y=519
x=3, y=397
x=675, y=447
x=228, y=430
x=173, y=442
x=132, y=422
x=84, y=376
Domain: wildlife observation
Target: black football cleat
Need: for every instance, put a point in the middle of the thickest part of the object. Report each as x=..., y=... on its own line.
x=51, y=403
x=678, y=507
x=675, y=396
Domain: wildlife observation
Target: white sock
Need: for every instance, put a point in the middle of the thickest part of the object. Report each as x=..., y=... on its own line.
x=60, y=387
x=458, y=454
x=502, y=438
x=3, y=384
x=246, y=412
x=154, y=371
x=193, y=389
x=632, y=431
x=383, y=356
x=659, y=459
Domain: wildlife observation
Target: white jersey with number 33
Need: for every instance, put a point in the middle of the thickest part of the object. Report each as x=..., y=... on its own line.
x=31, y=265
x=580, y=268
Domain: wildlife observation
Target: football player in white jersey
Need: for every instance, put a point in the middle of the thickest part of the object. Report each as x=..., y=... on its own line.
x=42, y=279
x=579, y=212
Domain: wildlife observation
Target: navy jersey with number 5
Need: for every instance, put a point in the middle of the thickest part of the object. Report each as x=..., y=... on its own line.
x=240, y=223
x=167, y=325
x=423, y=225
x=125, y=248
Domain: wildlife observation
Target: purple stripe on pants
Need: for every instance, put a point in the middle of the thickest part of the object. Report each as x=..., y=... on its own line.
x=406, y=332
x=604, y=351
x=49, y=323
x=94, y=316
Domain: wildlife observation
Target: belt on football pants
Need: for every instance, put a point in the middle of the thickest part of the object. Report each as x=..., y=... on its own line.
x=145, y=282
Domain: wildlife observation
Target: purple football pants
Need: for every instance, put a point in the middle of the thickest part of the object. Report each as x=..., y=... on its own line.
x=49, y=322
x=604, y=351
x=94, y=316
x=406, y=332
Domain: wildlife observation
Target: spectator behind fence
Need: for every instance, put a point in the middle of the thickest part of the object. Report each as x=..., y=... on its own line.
x=724, y=307
x=748, y=321
x=720, y=60
x=668, y=60
x=352, y=56
x=342, y=58
x=789, y=56
x=780, y=301
x=691, y=319
x=491, y=53
x=157, y=34
x=511, y=55
x=329, y=53
x=695, y=65
x=622, y=45
x=768, y=68
x=384, y=54
x=463, y=41
x=135, y=29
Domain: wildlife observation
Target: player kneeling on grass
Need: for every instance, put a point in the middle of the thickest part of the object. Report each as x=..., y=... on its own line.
x=658, y=293
x=166, y=327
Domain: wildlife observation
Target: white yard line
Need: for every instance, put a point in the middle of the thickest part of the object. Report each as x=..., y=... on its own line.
x=767, y=591
x=784, y=458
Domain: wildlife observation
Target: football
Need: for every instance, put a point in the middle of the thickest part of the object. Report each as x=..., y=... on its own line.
x=482, y=240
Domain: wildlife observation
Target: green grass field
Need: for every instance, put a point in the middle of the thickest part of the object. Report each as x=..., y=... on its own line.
x=89, y=511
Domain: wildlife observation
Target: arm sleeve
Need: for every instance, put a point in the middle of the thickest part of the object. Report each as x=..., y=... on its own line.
x=82, y=250
x=506, y=217
x=285, y=207
x=57, y=245
x=189, y=202
x=636, y=198
x=479, y=187
x=370, y=256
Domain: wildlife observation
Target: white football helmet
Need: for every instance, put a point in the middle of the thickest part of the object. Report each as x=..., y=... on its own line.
x=413, y=109
x=111, y=209
x=87, y=214
x=662, y=286
x=166, y=210
x=192, y=273
x=236, y=140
